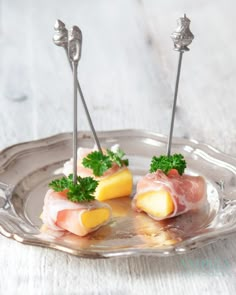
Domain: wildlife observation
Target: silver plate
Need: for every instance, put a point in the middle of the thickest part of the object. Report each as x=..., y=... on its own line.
x=26, y=169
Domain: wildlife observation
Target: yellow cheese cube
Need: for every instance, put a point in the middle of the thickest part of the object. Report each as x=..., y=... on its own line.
x=156, y=203
x=116, y=185
x=95, y=217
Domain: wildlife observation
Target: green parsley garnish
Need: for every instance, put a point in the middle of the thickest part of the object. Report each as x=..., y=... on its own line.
x=117, y=157
x=100, y=163
x=82, y=191
x=166, y=163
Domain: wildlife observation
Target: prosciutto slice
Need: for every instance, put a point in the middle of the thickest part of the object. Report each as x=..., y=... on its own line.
x=187, y=192
x=57, y=202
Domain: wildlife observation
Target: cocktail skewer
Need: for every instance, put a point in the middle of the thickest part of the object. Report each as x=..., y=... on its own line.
x=181, y=37
x=74, y=53
x=60, y=38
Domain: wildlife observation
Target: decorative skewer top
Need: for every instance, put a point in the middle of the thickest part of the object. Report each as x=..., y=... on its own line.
x=75, y=44
x=182, y=36
x=60, y=37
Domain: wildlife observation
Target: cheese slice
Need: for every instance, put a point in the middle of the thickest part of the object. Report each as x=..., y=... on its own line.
x=95, y=217
x=156, y=203
x=116, y=185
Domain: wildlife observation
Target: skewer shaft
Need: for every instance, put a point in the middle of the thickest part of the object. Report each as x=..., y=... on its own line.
x=174, y=104
x=75, y=129
x=85, y=107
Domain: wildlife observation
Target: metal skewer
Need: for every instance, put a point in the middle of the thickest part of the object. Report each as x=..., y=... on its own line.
x=181, y=37
x=60, y=38
x=74, y=53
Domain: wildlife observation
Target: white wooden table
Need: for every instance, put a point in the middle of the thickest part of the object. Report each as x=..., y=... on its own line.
x=127, y=72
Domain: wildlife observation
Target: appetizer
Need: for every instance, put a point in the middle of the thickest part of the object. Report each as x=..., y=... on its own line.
x=166, y=192
x=108, y=167
x=72, y=207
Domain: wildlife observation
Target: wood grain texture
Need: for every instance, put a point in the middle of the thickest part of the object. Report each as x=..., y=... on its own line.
x=127, y=73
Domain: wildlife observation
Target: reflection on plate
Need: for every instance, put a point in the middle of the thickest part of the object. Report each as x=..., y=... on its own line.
x=26, y=169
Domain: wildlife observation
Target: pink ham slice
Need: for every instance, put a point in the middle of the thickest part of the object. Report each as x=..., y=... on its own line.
x=56, y=203
x=187, y=192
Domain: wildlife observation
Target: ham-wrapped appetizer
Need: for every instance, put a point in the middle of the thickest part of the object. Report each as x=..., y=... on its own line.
x=109, y=168
x=167, y=192
x=73, y=208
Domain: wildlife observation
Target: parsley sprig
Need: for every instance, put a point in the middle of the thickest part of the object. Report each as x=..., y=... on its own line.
x=166, y=163
x=117, y=157
x=100, y=162
x=82, y=191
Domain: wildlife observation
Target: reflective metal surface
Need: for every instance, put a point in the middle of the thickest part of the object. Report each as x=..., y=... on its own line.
x=26, y=169
x=60, y=38
x=182, y=37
